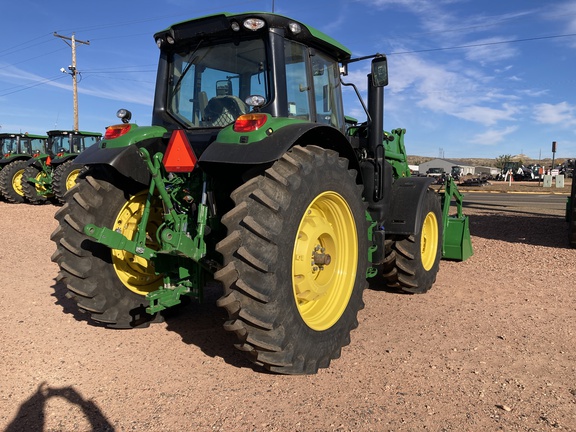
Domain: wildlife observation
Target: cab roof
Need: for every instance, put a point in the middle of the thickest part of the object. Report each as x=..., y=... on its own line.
x=67, y=132
x=21, y=134
x=220, y=25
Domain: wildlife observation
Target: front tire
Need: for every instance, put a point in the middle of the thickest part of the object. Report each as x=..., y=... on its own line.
x=34, y=192
x=11, y=181
x=295, y=260
x=64, y=178
x=412, y=262
x=110, y=284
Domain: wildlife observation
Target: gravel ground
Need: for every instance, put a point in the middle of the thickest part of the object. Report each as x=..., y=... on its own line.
x=489, y=348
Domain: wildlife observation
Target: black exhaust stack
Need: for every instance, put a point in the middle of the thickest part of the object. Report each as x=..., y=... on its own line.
x=376, y=167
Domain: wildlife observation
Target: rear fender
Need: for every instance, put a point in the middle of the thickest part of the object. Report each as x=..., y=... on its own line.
x=60, y=160
x=271, y=148
x=406, y=197
x=125, y=160
x=6, y=161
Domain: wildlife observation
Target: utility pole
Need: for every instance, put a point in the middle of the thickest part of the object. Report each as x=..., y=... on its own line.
x=553, y=153
x=73, y=70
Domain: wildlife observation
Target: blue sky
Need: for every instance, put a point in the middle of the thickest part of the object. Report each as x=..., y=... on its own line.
x=468, y=78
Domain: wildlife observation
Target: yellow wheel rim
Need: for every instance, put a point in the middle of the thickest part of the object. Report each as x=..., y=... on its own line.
x=71, y=179
x=17, y=182
x=324, y=261
x=429, y=241
x=137, y=273
x=40, y=179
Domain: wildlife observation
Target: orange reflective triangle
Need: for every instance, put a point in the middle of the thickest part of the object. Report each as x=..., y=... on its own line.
x=179, y=156
x=48, y=160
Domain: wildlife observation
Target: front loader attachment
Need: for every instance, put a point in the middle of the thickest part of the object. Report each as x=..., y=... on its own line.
x=456, y=242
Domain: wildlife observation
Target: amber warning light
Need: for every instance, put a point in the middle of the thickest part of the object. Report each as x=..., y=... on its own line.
x=179, y=155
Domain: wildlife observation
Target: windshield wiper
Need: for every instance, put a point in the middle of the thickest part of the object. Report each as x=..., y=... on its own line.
x=185, y=71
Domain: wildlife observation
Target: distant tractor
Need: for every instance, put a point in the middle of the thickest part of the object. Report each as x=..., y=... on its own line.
x=456, y=172
x=51, y=173
x=435, y=172
x=252, y=176
x=17, y=149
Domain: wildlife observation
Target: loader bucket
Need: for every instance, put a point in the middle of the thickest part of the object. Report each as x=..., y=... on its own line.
x=456, y=241
x=457, y=244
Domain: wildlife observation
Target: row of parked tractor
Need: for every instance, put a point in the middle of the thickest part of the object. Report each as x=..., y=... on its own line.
x=40, y=168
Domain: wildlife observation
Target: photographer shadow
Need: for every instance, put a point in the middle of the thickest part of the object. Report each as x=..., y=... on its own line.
x=32, y=416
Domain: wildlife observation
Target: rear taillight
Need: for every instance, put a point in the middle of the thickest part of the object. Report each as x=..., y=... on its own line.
x=250, y=122
x=116, y=131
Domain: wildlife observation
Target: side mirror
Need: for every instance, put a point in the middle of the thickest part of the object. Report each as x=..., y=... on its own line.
x=223, y=88
x=380, y=71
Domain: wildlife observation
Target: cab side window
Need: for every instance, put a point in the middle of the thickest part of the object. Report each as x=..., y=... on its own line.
x=326, y=91
x=297, y=85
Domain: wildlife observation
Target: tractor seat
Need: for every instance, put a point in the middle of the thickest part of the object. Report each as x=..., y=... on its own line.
x=223, y=110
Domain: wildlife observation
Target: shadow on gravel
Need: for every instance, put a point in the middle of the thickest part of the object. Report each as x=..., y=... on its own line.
x=519, y=226
x=31, y=414
x=69, y=306
x=199, y=324
x=377, y=284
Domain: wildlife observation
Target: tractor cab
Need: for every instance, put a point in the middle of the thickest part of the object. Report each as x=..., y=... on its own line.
x=20, y=145
x=64, y=143
x=10, y=144
x=246, y=68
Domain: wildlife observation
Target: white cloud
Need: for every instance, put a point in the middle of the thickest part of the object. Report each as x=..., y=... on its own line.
x=564, y=13
x=486, y=115
x=446, y=89
x=492, y=50
x=562, y=114
x=493, y=136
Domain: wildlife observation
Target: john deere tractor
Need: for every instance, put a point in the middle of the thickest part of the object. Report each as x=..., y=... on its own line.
x=251, y=175
x=51, y=173
x=17, y=149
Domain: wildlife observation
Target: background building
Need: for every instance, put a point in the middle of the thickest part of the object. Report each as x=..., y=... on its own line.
x=446, y=164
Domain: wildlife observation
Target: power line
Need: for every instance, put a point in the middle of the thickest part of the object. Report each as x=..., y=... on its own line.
x=483, y=44
x=31, y=58
x=123, y=69
x=15, y=47
x=31, y=86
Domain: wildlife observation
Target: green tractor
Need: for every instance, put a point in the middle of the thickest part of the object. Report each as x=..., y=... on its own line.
x=50, y=174
x=251, y=175
x=17, y=149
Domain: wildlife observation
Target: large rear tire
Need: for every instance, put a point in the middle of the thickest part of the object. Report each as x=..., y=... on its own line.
x=412, y=262
x=64, y=178
x=110, y=284
x=34, y=192
x=11, y=181
x=295, y=260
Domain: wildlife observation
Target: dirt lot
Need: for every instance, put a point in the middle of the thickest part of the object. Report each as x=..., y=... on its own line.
x=490, y=347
